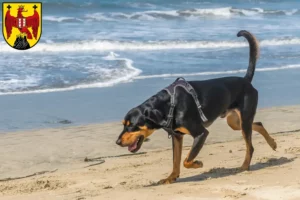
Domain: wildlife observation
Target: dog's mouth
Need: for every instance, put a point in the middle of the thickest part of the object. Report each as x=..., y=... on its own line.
x=134, y=147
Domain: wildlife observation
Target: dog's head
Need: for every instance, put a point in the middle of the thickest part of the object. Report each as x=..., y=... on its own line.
x=138, y=125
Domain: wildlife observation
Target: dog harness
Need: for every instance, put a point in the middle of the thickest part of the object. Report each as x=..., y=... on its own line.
x=171, y=89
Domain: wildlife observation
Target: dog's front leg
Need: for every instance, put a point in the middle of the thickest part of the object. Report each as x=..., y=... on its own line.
x=198, y=143
x=177, y=150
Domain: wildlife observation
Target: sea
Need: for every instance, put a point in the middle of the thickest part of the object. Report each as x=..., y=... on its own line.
x=98, y=59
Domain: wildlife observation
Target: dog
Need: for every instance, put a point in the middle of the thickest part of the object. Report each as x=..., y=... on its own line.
x=232, y=97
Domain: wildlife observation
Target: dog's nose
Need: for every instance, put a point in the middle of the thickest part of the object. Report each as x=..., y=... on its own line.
x=118, y=142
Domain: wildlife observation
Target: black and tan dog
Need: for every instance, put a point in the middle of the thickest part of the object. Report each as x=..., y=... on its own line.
x=231, y=97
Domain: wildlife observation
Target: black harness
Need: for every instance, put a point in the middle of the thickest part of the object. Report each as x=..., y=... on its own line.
x=171, y=89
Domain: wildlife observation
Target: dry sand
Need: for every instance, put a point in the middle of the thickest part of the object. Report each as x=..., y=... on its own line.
x=274, y=174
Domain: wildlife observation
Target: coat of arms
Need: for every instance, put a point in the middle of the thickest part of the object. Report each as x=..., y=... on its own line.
x=22, y=24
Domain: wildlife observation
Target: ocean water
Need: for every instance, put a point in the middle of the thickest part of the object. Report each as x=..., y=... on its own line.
x=97, y=59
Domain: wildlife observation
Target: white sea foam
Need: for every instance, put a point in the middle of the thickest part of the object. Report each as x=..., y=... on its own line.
x=125, y=73
x=14, y=82
x=99, y=45
x=277, y=42
x=97, y=17
x=61, y=19
x=225, y=12
x=217, y=72
x=134, y=74
x=173, y=14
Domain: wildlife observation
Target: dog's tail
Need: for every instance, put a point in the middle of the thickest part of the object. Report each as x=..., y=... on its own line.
x=254, y=53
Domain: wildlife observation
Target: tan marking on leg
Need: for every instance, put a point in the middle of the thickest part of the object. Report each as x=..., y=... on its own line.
x=198, y=143
x=183, y=130
x=234, y=122
x=194, y=164
x=177, y=150
x=248, y=157
x=260, y=129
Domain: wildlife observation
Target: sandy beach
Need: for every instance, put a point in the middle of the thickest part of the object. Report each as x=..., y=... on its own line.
x=55, y=158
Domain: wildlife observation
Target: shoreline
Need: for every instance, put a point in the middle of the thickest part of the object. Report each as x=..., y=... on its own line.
x=94, y=105
x=116, y=122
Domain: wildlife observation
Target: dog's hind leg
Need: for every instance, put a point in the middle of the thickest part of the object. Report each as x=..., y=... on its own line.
x=258, y=127
x=246, y=115
x=198, y=143
x=234, y=122
x=177, y=150
x=246, y=122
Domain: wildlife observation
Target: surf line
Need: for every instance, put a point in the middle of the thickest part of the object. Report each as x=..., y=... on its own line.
x=217, y=72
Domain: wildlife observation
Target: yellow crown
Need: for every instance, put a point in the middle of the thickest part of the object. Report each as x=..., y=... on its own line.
x=21, y=6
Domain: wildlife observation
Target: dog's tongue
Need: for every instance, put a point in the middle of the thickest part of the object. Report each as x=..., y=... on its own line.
x=133, y=146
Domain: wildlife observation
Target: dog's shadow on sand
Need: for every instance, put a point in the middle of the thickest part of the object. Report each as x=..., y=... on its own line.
x=224, y=172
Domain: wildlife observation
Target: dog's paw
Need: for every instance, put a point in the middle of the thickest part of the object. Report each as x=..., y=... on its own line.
x=166, y=181
x=171, y=179
x=244, y=168
x=273, y=144
x=193, y=164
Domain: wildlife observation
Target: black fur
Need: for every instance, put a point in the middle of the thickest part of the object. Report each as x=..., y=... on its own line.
x=254, y=53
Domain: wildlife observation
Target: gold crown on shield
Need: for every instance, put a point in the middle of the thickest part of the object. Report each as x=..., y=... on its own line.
x=21, y=6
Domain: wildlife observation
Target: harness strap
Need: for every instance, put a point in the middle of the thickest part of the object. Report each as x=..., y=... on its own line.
x=194, y=94
x=167, y=125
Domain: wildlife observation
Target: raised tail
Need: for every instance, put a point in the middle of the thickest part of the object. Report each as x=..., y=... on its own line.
x=254, y=53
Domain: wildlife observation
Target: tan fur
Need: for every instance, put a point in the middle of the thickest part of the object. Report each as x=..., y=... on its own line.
x=233, y=121
x=183, y=130
x=193, y=164
x=129, y=138
x=177, y=141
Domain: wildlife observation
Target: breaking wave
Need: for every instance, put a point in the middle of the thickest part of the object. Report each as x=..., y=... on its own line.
x=131, y=74
x=104, y=45
x=61, y=19
x=174, y=14
x=92, y=4
x=218, y=72
x=100, y=77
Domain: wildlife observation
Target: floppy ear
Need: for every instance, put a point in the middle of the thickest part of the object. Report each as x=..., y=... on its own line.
x=154, y=115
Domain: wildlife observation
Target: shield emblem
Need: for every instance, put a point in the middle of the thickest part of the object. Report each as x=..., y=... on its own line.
x=22, y=24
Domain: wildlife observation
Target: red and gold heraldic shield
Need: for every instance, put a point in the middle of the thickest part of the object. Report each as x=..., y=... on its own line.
x=22, y=24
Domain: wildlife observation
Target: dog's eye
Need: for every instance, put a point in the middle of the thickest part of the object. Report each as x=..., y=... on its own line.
x=130, y=125
x=126, y=123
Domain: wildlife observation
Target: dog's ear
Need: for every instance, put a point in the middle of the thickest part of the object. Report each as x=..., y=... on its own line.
x=154, y=115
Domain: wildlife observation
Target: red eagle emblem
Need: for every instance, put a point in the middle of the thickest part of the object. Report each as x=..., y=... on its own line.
x=22, y=23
